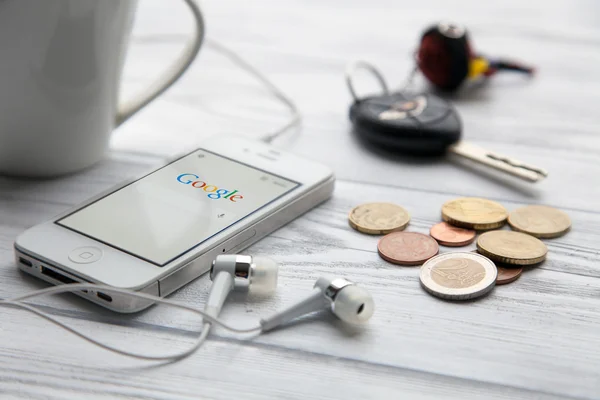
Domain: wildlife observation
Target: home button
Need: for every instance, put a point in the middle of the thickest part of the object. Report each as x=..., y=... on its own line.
x=85, y=255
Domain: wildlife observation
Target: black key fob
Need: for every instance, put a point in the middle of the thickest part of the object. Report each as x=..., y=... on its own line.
x=420, y=124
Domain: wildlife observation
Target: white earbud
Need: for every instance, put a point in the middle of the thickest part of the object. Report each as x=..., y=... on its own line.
x=258, y=274
x=348, y=302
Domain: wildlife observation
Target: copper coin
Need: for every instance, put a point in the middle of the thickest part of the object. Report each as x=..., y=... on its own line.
x=452, y=236
x=507, y=275
x=407, y=248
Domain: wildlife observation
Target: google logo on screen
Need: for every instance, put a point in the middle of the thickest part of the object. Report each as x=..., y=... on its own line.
x=213, y=191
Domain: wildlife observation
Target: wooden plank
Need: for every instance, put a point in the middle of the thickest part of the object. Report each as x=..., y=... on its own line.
x=545, y=322
x=70, y=369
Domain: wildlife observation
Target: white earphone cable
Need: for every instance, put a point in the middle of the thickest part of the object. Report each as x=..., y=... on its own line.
x=273, y=89
x=19, y=303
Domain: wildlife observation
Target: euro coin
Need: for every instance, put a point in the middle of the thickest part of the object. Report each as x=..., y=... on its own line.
x=540, y=221
x=507, y=275
x=512, y=247
x=458, y=276
x=451, y=236
x=378, y=218
x=407, y=248
x=474, y=213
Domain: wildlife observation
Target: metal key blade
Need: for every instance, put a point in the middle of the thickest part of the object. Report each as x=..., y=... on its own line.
x=499, y=162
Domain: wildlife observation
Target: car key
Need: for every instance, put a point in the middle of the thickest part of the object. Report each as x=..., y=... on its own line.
x=425, y=124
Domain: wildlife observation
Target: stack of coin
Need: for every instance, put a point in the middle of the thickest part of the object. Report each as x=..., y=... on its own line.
x=459, y=275
x=463, y=216
x=507, y=249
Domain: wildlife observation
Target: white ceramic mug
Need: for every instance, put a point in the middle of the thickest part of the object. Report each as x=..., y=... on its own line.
x=60, y=68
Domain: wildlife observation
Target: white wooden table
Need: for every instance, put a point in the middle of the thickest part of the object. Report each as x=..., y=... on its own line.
x=538, y=338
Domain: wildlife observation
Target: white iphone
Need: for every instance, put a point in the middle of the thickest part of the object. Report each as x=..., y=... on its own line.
x=157, y=233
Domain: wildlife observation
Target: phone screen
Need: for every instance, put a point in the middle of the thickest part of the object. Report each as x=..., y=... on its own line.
x=176, y=208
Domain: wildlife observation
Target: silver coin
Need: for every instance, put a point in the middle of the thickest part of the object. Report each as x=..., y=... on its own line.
x=458, y=276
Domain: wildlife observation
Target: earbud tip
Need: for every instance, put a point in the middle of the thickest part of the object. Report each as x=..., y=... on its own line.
x=264, y=275
x=354, y=304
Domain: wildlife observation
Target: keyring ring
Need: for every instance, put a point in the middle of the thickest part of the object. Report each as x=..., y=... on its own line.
x=352, y=68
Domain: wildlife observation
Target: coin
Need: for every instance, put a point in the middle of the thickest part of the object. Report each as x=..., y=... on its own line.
x=452, y=236
x=507, y=275
x=474, y=213
x=407, y=248
x=458, y=276
x=378, y=218
x=540, y=221
x=512, y=247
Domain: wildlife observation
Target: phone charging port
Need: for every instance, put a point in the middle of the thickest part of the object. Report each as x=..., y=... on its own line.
x=57, y=276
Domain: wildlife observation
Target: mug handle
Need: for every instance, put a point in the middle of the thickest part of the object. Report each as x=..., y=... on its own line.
x=174, y=72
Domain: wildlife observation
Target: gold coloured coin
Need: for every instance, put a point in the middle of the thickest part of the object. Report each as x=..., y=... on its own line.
x=512, y=247
x=458, y=276
x=540, y=221
x=378, y=218
x=474, y=213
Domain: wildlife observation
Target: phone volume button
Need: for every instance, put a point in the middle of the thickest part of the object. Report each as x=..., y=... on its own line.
x=238, y=241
